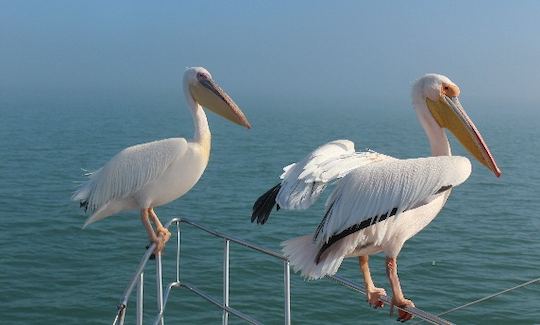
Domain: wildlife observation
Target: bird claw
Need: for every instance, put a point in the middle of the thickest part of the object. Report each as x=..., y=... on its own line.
x=403, y=316
x=164, y=234
x=160, y=245
x=373, y=297
x=161, y=238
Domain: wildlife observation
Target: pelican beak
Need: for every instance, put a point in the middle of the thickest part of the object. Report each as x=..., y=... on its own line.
x=207, y=93
x=449, y=114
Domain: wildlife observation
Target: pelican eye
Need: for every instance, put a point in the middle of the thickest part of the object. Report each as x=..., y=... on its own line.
x=201, y=75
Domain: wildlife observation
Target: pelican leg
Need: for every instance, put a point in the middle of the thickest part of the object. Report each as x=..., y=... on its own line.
x=373, y=293
x=149, y=230
x=397, y=295
x=162, y=233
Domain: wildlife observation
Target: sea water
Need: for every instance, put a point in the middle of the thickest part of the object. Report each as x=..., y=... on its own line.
x=52, y=272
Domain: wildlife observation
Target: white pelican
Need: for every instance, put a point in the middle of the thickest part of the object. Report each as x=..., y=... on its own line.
x=379, y=202
x=148, y=175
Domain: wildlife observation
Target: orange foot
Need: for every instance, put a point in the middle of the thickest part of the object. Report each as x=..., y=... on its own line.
x=373, y=296
x=162, y=238
x=403, y=316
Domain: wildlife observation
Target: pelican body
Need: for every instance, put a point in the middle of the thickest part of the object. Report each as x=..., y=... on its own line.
x=379, y=202
x=152, y=174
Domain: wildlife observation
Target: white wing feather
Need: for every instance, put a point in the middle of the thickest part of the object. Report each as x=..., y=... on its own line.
x=377, y=189
x=129, y=171
x=303, y=182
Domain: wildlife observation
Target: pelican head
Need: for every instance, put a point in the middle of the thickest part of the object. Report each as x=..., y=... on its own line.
x=435, y=98
x=207, y=93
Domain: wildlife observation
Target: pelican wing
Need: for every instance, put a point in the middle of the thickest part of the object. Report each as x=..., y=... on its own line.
x=303, y=182
x=128, y=172
x=371, y=194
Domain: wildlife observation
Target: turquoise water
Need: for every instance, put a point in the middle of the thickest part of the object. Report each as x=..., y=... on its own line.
x=485, y=239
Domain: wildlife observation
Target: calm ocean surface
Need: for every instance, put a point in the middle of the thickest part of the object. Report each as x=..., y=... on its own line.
x=486, y=238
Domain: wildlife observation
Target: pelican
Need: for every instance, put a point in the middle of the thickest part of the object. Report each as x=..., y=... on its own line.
x=379, y=201
x=148, y=175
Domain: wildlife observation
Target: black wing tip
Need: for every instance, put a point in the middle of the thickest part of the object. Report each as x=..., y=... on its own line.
x=264, y=205
x=83, y=204
x=444, y=189
x=318, y=257
x=349, y=231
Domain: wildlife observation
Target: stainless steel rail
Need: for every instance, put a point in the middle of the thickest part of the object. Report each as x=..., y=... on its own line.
x=225, y=306
x=425, y=316
x=162, y=297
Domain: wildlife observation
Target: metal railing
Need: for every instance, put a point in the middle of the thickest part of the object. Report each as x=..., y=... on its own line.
x=162, y=297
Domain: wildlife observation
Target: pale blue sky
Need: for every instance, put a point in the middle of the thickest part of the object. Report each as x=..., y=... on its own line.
x=348, y=50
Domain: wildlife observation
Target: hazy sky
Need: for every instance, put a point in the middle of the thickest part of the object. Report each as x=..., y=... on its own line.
x=303, y=49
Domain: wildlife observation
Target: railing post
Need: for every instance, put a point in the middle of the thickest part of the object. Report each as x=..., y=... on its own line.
x=177, y=251
x=159, y=285
x=226, y=281
x=287, y=285
x=140, y=299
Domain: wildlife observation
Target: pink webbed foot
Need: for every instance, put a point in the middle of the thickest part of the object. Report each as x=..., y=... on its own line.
x=373, y=297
